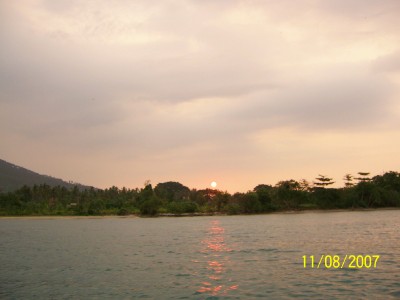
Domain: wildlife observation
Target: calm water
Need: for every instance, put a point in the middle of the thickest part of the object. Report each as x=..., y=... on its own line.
x=238, y=257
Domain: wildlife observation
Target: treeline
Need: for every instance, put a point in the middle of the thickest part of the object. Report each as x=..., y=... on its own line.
x=175, y=198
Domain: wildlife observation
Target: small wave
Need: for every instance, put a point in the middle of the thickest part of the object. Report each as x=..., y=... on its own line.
x=182, y=275
x=290, y=251
x=268, y=250
x=395, y=294
x=244, y=251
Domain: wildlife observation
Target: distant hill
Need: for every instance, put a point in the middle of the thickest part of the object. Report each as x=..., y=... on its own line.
x=13, y=177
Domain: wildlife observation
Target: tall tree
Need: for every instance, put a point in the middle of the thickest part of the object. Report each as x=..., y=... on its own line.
x=172, y=191
x=390, y=181
x=304, y=185
x=367, y=191
x=363, y=177
x=348, y=180
x=264, y=195
x=323, y=181
x=288, y=194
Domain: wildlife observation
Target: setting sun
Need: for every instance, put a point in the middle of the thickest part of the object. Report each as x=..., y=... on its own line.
x=213, y=184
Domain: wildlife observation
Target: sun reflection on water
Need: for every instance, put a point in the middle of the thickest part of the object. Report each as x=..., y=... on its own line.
x=216, y=253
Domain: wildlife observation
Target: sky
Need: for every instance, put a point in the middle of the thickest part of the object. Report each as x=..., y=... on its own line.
x=239, y=92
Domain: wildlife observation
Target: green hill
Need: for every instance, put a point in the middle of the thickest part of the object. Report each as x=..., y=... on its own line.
x=13, y=177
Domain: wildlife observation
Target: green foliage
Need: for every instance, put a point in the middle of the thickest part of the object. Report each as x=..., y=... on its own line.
x=326, y=198
x=264, y=196
x=181, y=207
x=247, y=203
x=232, y=209
x=368, y=194
x=388, y=181
x=146, y=193
x=172, y=191
x=173, y=197
x=390, y=198
x=47, y=200
x=288, y=194
x=150, y=207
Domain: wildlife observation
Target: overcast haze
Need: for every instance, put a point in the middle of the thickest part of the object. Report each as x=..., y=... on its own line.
x=241, y=92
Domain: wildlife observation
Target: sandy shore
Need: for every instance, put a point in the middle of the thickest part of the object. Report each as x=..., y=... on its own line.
x=340, y=210
x=68, y=217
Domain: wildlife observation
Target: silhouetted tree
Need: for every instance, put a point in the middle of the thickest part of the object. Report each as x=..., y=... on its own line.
x=172, y=191
x=348, y=180
x=264, y=196
x=323, y=181
x=288, y=194
x=363, y=177
x=304, y=185
x=389, y=180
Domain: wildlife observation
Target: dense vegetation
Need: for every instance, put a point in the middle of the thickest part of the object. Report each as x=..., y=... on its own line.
x=174, y=198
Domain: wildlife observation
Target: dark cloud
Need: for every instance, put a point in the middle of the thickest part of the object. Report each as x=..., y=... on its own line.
x=192, y=83
x=333, y=99
x=347, y=103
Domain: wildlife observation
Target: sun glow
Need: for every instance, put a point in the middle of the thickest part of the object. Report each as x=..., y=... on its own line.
x=213, y=184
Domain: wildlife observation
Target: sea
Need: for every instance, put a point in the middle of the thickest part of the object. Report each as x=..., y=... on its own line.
x=305, y=255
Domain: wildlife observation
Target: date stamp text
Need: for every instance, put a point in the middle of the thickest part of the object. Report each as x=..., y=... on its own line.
x=339, y=262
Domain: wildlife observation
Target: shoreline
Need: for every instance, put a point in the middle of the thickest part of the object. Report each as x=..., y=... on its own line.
x=170, y=215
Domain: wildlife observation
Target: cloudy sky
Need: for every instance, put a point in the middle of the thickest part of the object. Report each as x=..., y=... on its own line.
x=241, y=92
